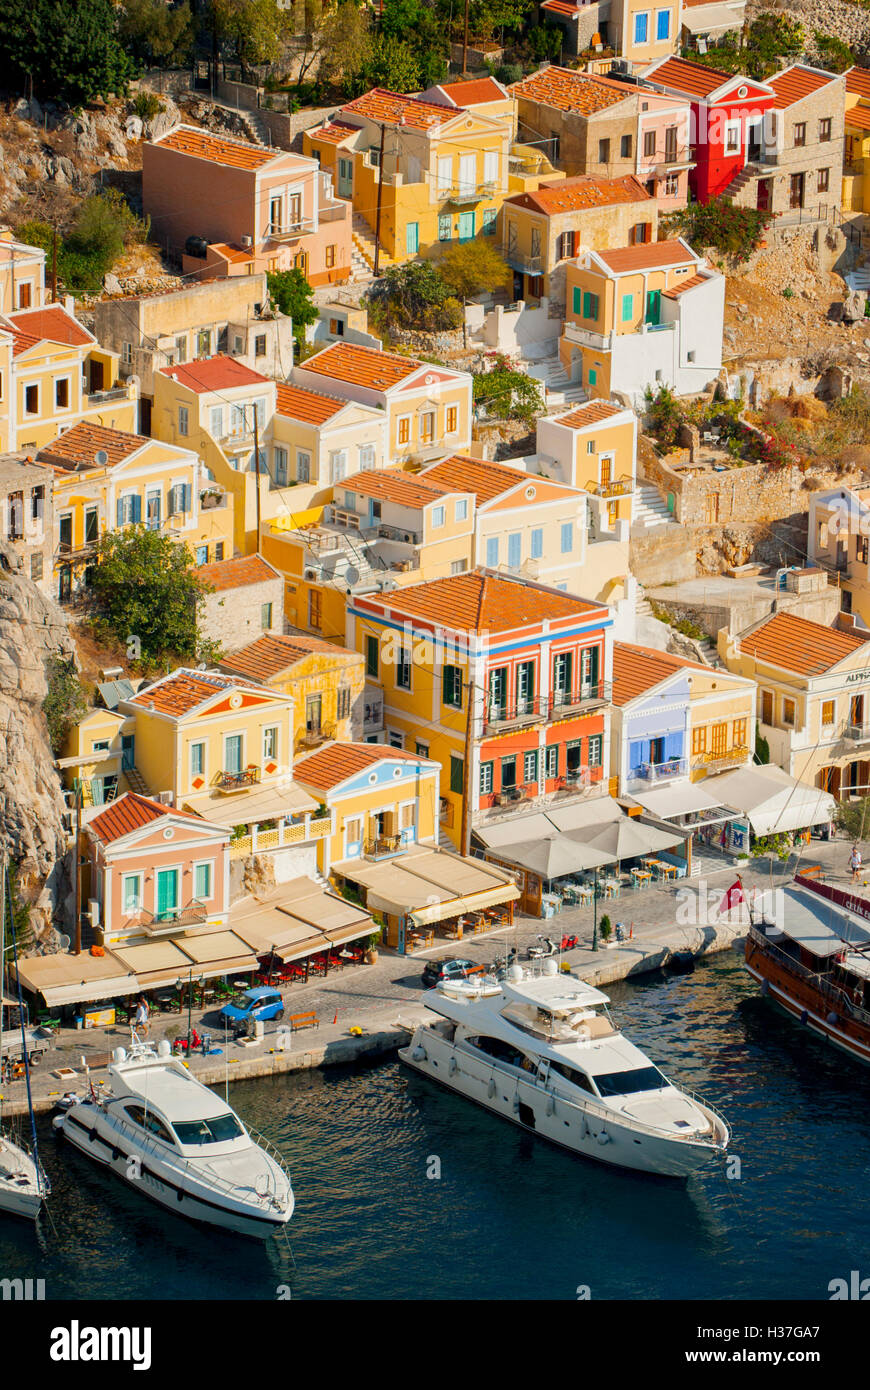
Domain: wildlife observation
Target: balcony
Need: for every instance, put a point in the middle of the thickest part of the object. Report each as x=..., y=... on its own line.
x=565, y=702
x=858, y=733
x=335, y=211
x=383, y=846
x=397, y=533
x=193, y=914
x=649, y=774
x=617, y=487
x=238, y=781
x=316, y=734
x=373, y=711
x=466, y=193
x=519, y=260
x=721, y=760
x=291, y=231
x=601, y=342
x=499, y=718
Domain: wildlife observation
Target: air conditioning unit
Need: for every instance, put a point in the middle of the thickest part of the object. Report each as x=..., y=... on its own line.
x=311, y=574
x=247, y=242
x=166, y=798
x=93, y=912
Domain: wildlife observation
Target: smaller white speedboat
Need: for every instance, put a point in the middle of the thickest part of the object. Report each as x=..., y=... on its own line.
x=174, y=1140
x=23, y=1184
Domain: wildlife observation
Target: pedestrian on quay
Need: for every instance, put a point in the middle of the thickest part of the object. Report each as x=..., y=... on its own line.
x=142, y=1016
x=855, y=862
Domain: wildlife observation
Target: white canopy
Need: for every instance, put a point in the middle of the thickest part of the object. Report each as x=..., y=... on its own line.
x=684, y=799
x=772, y=800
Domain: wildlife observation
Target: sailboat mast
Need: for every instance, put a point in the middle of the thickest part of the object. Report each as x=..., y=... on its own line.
x=7, y=901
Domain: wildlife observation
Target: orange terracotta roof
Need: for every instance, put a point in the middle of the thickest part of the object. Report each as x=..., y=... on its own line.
x=363, y=366
x=214, y=374
x=184, y=690
x=391, y=108
x=462, y=473
x=684, y=285
x=481, y=601
x=578, y=194
x=394, y=485
x=638, y=669
x=79, y=446
x=793, y=84
x=691, y=79
x=273, y=653
x=858, y=80
x=235, y=574
x=53, y=324
x=796, y=644
x=646, y=256
x=22, y=342
x=589, y=414
x=129, y=812
x=563, y=8
x=234, y=254
x=217, y=149
x=858, y=117
x=335, y=763
x=566, y=90
x=334, y=131
x=309, y=406
x=475, y=92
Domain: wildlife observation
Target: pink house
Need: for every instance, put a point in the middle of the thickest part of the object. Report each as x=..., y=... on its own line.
x=155, y=871
x=228, y=207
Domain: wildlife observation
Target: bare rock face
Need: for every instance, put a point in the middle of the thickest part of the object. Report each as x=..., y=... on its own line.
x=32, y=628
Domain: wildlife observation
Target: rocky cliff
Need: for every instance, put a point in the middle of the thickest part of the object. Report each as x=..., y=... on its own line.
x=32, y=627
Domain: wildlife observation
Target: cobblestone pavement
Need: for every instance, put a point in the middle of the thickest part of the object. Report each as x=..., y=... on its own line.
x=356, y=993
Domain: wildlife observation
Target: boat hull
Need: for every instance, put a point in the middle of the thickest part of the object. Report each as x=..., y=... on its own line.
x=86, y=1129
x=20, y=1188
x=540, y=1112
x=800, y=1002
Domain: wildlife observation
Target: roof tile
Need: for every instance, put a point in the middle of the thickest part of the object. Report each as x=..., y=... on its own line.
x=646, y=256
x=590, y=414
x=796, y=644
x=78, y=447
x=637, y=669
x=52, y=324
x=236, y=573
x=567, y=90
x=581, y=193
x=274, y=653
x=794, y=83
x=217, y=149
x=308, y=406
x=214, y=374
x=362, y=366
x=336, y=762
x=392, y=108
x=482, y=601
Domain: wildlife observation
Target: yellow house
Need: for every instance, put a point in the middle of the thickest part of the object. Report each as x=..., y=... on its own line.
x=721, y=723
x=856, y=169
x=427, y=409
x=438, y=172
x=483, y=95
x=105, y=479
x=53, y=373
x=594, y=448
x=97, y=756
x=22, y=274
x=813, y=698
x=382, y=800
x=325, y=682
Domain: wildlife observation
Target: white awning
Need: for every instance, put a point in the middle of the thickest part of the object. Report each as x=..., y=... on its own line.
x=69, y=979
x=711, y=19
x=684, y=799
x=252, y=806
x=772, y=800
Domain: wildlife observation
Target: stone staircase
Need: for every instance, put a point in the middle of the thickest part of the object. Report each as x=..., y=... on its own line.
x=135, y=781
x=649, y=508
x=747, y=174
x=364, y=245
x=561, y=392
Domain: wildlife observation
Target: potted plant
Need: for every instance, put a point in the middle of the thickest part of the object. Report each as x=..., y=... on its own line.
x=372, y=947
x=605, y=929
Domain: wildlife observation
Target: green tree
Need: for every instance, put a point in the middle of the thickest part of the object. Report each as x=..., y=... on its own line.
x=341, y=39
x=291, y=293
x=853, y=817
x=762, y=747
x=733, y=230
x=419, y=25
x=251, y=26
x=157, y=34
x=470, y=268
x=65, y=702
x=414, y=295
x=65, y=48
x=393, y=64
x=507, y=393
x=149, y=597
x=836, y=55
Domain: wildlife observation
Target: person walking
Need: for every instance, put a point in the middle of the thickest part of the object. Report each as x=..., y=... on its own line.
x=141, y=1022
x=855, y=862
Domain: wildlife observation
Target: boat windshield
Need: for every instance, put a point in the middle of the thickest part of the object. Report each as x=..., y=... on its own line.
x=628, y=1083
x=216, y=1131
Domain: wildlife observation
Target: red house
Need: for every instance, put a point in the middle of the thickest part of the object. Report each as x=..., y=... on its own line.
x=727, y=121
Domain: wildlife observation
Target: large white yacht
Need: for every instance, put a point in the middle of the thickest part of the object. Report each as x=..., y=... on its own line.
x=543, y=1051
x=174, y=1140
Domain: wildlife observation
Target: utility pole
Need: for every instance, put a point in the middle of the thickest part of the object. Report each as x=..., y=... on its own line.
x=465, y=837
x=465, y=42
x=54, y=265
x=77, y=934
x=380, y=191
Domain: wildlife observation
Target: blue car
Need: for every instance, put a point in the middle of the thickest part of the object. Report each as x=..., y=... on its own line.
x=262, y=1004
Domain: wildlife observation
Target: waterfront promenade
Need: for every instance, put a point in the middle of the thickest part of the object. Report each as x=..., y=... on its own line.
x=384, y=1000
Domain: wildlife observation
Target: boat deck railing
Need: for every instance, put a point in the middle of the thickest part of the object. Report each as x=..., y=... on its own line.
x=832, y=992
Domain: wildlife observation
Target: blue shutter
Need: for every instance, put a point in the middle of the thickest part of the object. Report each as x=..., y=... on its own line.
x=537, y=544
x=638, y=752
x=674, y=745
x=515, y=542
x=492, y=552
x=120, y=512
x=137, y=508
x=185, y=497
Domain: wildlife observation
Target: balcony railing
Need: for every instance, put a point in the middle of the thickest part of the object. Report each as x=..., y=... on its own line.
x=259, y=841
x=237, y=781
x=587, y=338
x=564, y=702
x=519, y=260
x=468, y=192
x=498, y=717
x=193, y=914
x=317, y=734
x=288, y=231
x=857, y=732
x=617, y=487
x=382, y=846
x=645, y=774
x=721, y=760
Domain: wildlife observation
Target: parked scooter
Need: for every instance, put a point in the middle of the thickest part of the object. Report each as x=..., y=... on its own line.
x=569, y=942
x=542, y=948
x=502, y=964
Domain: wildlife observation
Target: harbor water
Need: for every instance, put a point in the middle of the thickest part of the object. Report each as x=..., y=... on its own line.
x=404, y=1190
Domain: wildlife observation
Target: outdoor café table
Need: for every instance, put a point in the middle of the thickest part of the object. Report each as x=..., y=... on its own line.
x=667, y=870
x=641, y=875
x=611, y=888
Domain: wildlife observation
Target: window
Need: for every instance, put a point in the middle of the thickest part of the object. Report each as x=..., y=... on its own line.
x=824, y=180
x=183, y=419
x=732, y=137
x=663, y=25
x=825, y=128
x=462, y=509
x=279, y=456
x=672, y=185
x=265, y=616
x=314, y=608
x=330, y=258
x=699, y=740
x=403, y=669
x=530, y=766
x=353, y=830
x=767, y=706
x=439, y=516
x=508, y=773
x=489, y=220
x=181, y=348
x=127, y=354
x=31, y=400
x=131, y=892
x=739, y=733
x=603, y=151
x=862, y=543
x=197, y=759
x=61, y=393
x=625, y=147
x=567, y=537
x=303, y=466
x=445, y=226
x=451, y=686
x=342, y=702
x=451, y=419
x=427, y=426
x=800, y=133
x=25, y=294
x=219, y=550
x=788, y=712
x=270, y=742
x=827, y=713
x=627, y=308
x=337, y=465
x=397, y=740
x=492, y=552
x=485, y=779
x=641, y=28
x=457, y=773
x=537, y=543
x=404, y=434
x=649, y=144
x=372, y=667
x=202, y=882
x=458, y=566
x=551, y=756
x=515, y=549
x=595, y=744
x=590, y=305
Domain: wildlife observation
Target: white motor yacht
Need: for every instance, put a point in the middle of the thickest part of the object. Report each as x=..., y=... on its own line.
x=23, y=1185
x=176, y=1141
x=542, y=1050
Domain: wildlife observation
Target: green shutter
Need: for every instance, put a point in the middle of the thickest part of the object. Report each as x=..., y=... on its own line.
x=578, y=300
x=457, y=769
x=627, y=308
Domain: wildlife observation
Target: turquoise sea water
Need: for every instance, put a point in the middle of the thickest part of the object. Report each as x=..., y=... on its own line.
x=510, y=1216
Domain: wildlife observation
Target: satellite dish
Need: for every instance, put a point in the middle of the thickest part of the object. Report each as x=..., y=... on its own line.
x=101, y=458
x=352, y=575
x=64, y=943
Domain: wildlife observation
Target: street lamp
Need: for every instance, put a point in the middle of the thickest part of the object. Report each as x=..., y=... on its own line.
x=179, y=984
x=595, y=909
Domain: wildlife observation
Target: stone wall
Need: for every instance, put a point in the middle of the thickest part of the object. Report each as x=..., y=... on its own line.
x=233, y=617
